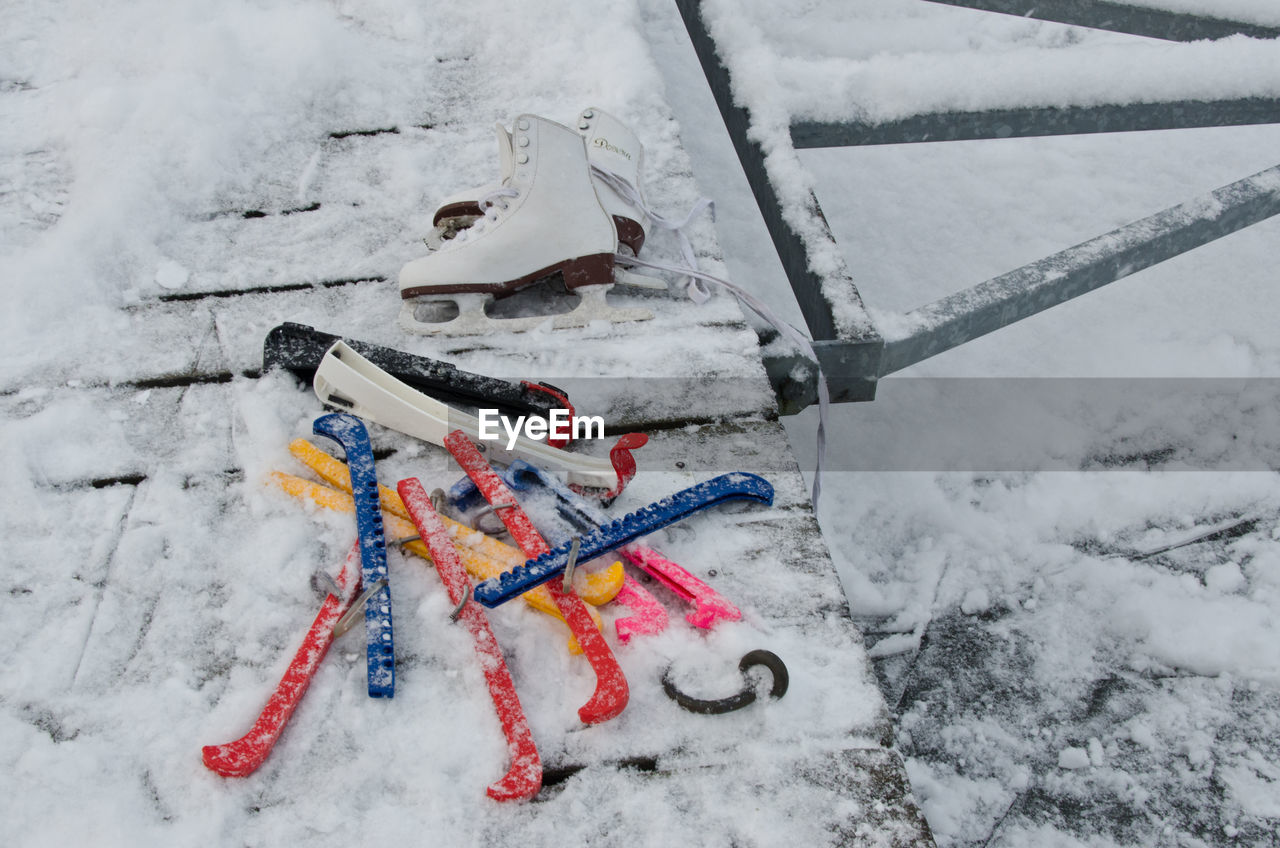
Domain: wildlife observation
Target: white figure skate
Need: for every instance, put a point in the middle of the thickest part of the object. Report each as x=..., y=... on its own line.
x=616, y=159
x=459, y=211
x=543, y=218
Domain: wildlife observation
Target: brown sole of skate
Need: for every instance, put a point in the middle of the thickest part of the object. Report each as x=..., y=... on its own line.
x=444, y=310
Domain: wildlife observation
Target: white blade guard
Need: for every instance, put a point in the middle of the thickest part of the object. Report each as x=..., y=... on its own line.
x=346, y=380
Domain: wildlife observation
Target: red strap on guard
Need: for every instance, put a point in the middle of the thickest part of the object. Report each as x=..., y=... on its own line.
x=611, y=693
x=524, y=777
x=560, y=398
x=624, y=465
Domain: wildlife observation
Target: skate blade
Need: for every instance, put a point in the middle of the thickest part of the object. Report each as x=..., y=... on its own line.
x=465, y=315
x=594, y=307
x=449, y=315
x=623, y=277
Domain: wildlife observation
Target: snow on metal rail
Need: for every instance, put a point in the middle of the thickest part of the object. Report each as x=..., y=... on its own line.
x=1121, y=17
x=1039, y=121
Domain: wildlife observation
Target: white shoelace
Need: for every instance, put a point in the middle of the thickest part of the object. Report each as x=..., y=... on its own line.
x=490, y=210
x=692, y=286
x=788, y=331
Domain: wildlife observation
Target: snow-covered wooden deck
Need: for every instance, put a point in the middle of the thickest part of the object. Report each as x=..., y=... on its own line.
x=156, y=586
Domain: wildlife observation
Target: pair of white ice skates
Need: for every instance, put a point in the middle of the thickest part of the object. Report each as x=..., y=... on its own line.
x=565, y=203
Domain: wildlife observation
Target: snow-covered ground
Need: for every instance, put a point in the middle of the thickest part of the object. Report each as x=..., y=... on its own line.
x=1050, y=685
x=987, y=511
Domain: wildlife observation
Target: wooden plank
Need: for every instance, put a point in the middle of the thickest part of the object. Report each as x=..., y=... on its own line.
x=771, y=561
x=199, y=591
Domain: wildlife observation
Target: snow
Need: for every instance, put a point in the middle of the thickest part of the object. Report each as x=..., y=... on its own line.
x=1073, y=758
x=976, y=600
x=889, y=87
x=1048, y=686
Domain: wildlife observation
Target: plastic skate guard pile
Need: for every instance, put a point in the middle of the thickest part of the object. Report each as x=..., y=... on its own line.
x=567, y=202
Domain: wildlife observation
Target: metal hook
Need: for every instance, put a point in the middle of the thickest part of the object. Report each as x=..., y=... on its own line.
x=352, y=614
x=485, y=510
x=457, y=611
x=767, y=659
x=567, y=585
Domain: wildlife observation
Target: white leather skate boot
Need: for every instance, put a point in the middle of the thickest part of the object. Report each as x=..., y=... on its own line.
x=616, y=159
x=544, y=218
x=459, y=211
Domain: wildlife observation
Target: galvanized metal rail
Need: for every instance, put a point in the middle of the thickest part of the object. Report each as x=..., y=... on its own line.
x=856, y=355
x=1121, y=17
x=988, y=306
x=1039, y=121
